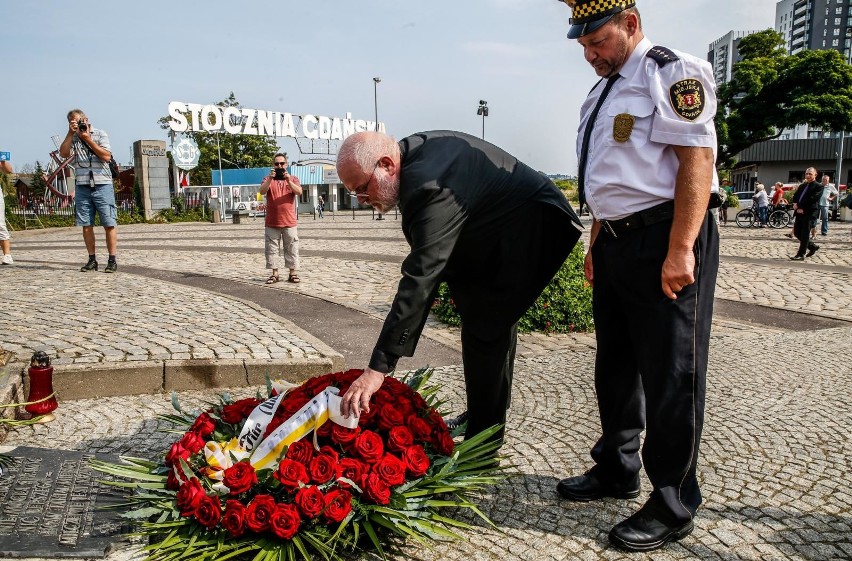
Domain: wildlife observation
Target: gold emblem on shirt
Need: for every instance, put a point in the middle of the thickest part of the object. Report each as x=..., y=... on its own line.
x=622, y=127
x=687, y=98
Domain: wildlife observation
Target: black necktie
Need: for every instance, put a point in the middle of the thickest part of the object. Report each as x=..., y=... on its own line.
x=587, y=135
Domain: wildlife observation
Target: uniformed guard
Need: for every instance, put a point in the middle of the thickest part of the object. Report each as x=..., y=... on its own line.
x=646, y=148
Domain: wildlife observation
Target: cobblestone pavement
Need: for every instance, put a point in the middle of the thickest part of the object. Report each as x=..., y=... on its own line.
x=776, y=466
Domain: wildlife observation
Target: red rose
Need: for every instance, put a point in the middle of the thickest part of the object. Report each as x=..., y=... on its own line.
x=177, y=451
x=193, y=442
x=234, y=519
x=382, y=398
x=324, y=430
x=391, y=469
x=238, y=411
x=175, y=479
x=444, y=444
x=240, y=477
x=300, y=451
x=204, y=425
x=397, y=388
x=389, y=417
x=418, y=402
x=416, y=461
x=369, y=446
x=399, y=438
x=259, y=512
x=366, y=417
x=437, y=420
x=290, y=473
x=322, y=468
x=351, y=469
x=419, y=428
x=310, y=501
x=285, y=521
x=376, y=490
x=329, y=451
x=338, y=505
x=189, y=496
x=344, y=436
x=209, y=512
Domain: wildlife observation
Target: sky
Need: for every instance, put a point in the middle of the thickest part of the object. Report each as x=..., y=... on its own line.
x=123, y=62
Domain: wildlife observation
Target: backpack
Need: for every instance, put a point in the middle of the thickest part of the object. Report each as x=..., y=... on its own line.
x=113, y=168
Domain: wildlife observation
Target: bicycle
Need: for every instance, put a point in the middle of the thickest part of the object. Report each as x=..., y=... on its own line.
x=781, y=216
x=746, y=218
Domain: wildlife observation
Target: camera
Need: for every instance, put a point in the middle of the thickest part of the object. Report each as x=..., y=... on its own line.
x=82, y=125
x=279, y=173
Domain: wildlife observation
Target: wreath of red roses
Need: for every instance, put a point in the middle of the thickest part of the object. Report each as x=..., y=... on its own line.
x=393, y=445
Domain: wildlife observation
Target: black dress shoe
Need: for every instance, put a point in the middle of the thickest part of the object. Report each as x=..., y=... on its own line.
x=644, y=531
x=587, y=487
x=456, y=422
x=89, y=266
x=813, y=250
x=797, y=258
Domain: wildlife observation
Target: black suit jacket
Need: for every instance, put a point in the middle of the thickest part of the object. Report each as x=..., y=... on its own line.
x=457, y=196
x=809, y=203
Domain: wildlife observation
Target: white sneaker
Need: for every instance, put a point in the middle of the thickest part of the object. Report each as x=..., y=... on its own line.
x=7, y=260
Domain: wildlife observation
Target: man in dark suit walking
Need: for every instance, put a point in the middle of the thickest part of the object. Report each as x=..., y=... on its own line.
x=806, y=208
x=490, y=226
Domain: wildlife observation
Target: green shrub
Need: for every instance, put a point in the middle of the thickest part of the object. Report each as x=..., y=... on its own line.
x=565, y=305
x=733, y=201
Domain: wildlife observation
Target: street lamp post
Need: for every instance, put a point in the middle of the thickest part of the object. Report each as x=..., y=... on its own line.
x=376, y=81
x=483, y=110
x=221, y=186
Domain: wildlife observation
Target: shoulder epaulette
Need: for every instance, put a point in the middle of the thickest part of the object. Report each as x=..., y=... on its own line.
x=661, y=55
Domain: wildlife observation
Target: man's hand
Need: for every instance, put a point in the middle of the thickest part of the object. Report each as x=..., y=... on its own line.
x=357, y=397
x=678, y=272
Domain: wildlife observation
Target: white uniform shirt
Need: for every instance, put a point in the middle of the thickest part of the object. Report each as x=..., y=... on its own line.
x=626, y=175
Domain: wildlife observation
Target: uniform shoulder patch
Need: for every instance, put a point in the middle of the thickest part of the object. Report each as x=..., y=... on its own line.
x=687, y=98
x=661, y=55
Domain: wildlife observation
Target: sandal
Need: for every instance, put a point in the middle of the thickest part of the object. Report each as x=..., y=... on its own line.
x=272, y=279
x=294, y=278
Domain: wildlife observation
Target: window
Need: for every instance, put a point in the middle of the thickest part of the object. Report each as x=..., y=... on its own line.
x=836, y=32
x=838, y=11
x=837, y=21
x=835, y=42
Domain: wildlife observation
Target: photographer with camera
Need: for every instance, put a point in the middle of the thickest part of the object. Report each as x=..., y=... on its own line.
x=282, y=238
x=94, y=191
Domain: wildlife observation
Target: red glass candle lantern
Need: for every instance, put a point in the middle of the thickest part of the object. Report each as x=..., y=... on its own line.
x=41, y=399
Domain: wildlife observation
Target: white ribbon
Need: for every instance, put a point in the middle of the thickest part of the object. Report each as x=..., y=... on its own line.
x=321, y=408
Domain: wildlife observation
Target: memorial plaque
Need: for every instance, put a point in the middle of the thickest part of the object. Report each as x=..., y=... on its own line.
x=51, y=505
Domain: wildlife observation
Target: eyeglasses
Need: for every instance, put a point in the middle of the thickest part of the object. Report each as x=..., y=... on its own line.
x=362, y=190
x=281, y=164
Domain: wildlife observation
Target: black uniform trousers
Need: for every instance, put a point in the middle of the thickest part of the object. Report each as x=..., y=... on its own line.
x=493, y=280
x=802, y=231
x=651, y=362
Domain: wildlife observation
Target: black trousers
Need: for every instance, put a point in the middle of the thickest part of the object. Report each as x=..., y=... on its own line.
x=651, y=362
x=493, y=280
x=802, y=231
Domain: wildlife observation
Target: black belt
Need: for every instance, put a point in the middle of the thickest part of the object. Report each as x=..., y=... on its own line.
x=654, y=215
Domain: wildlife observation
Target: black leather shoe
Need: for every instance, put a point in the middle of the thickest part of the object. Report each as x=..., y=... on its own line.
x=797, y=258
x=812, y=251
x=89, y=266
x=111, y=267
x=645, y=532
x=587, y=487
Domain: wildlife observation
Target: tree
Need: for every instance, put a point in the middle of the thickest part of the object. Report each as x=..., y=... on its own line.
x=238, y=150
x=38, y=185
x=771, y=91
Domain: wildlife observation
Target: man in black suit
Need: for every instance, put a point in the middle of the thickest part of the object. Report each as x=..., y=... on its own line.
x=806, y=208
x=490, y=226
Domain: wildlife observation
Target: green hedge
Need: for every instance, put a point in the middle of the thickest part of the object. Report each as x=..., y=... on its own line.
x=565, y=305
